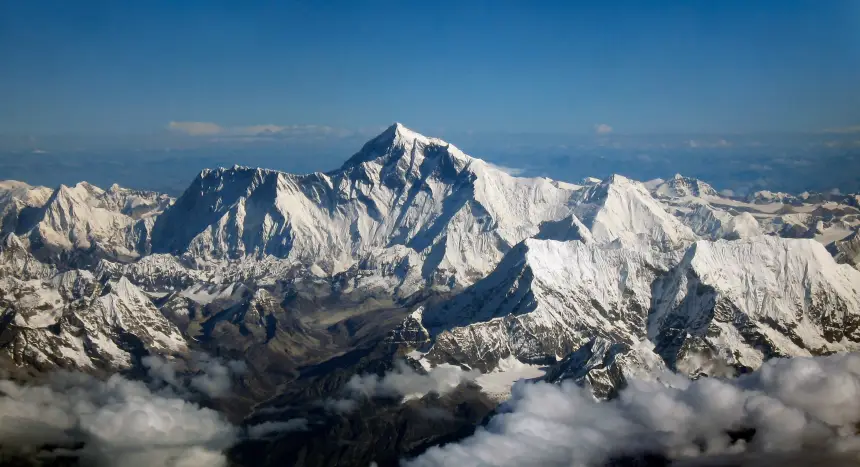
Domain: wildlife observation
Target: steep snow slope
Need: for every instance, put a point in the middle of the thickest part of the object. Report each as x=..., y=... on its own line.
x=458, y=213
x=620, y=207
x=736, y=302
x=747, y=300
x=86, y=219
x=697, y=205
x=15, y=199
x=545, y=299
x=16, y=261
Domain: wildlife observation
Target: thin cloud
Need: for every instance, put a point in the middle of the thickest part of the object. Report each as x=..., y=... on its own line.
x=602, y=129
x=268, y=428
x=252, y=132
x=196, y=128
x=844, y=130
x=720, y=143
x=402, y=382
x=514, y=171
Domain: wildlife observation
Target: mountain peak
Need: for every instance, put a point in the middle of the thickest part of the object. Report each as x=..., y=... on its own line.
x=679, y=186
x=396, y=141
x=398, y=133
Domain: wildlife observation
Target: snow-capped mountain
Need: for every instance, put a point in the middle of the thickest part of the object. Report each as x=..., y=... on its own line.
x=544, y=300
x=619, y=207
x=713, y=215
x=72, y=320
x=16, y=198
x=616, y=312
x=82, y=221
x=748, y=300
x=457, y=213
x=847, y=250
x=680, y=186
x=603, y=279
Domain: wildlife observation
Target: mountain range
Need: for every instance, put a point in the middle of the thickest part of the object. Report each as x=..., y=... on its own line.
x=414, y=251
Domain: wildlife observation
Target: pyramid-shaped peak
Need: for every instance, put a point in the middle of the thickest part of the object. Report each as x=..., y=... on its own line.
x=679, y=186
x=399, y=132
x=396, y=141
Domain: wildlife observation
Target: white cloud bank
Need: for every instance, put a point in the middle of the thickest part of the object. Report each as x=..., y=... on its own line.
x=408, y=383
x=791, y=404
x=204, y=374
x=401, y=382
x=120, y=422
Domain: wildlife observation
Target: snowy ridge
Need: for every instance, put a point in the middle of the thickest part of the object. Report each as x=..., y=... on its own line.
x=749, y=300
x=545, y=299
x=847, y=250
x=713, y=215
x=457, y=213
x=605, y=367
x=83, y=218
x=620, y=207
x=15, y=198
x=737, y=303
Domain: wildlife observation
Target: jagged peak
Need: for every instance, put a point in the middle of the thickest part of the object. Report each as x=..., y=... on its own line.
x=396, y=141
x=680, y=185
x=89, y=188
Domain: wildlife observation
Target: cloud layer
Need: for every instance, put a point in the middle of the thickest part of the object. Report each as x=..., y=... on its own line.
x=791, y=404
x=405, y=382
x=252, y=131
x=119, y=422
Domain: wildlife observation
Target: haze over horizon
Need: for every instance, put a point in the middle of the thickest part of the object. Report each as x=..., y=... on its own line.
x=559, y=89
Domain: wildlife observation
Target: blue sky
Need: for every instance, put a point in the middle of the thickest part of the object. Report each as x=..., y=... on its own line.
x=119, y=67
x=157, y=90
